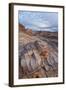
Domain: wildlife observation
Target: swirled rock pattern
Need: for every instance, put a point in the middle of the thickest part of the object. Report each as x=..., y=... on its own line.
x=38, y=54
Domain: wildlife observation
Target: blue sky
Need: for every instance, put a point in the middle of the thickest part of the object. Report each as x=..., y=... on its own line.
x=39, y=21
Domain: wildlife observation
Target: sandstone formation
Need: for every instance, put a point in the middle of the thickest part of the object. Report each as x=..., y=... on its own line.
x=38, y=54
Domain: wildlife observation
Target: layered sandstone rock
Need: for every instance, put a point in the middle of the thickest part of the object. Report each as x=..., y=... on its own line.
x=38, y=56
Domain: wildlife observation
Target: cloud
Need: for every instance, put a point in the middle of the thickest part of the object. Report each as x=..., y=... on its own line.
x=39, y=20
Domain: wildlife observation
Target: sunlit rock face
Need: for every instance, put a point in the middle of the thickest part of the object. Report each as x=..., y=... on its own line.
x=38, y=54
